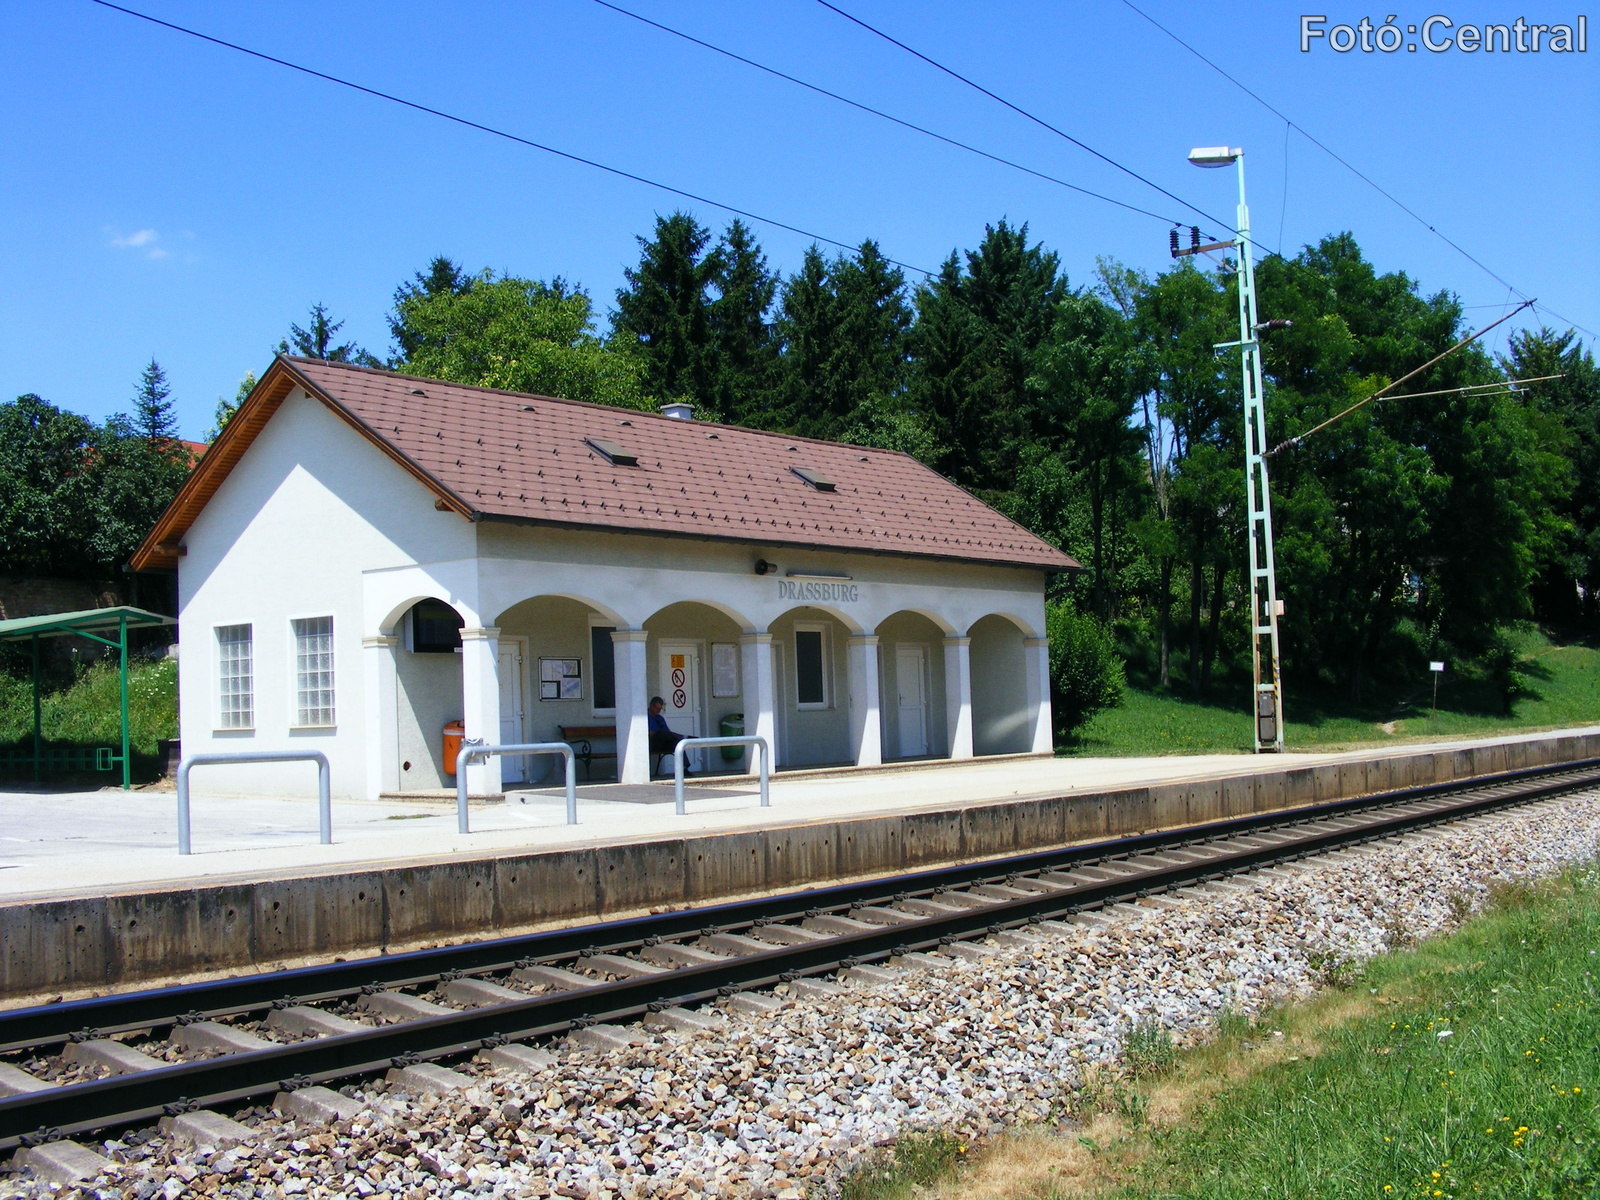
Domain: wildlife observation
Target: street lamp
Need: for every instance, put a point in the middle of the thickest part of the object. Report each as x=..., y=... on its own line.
x=1265, y=608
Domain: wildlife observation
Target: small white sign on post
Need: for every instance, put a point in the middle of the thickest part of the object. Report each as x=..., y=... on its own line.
x=1436, y=666
x=1438, y=669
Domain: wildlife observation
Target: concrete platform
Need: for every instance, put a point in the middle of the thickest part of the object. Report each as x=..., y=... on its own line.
x=94, y=893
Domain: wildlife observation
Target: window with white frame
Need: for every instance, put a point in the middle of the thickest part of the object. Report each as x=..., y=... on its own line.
x=811, y=665
x=602, y=671
x=313, y=671
x=236, y=697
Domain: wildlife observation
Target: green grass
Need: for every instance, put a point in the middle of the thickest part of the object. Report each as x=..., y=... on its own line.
x=1563, y=690
x=88, y=713
x=1384, y=1105
x=916, y=1160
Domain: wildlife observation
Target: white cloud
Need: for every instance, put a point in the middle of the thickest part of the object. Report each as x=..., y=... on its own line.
x=147, y=240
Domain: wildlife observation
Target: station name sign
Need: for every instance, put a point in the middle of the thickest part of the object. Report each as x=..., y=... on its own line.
x=816, y=589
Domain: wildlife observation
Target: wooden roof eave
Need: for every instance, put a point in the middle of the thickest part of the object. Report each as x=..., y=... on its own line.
x=160, y=548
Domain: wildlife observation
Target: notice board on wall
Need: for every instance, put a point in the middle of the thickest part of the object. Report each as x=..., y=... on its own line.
x=561, y=679
x=724, y=669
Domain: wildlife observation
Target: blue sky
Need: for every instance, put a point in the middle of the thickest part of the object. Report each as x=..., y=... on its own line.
x=166, y=197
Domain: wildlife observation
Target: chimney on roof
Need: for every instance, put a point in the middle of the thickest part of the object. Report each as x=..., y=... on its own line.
x=678, y=410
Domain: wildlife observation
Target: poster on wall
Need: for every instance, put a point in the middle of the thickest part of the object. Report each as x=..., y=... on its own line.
x=724, y=669
x=561, y=679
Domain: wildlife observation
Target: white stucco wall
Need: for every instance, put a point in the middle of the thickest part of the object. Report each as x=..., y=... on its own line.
x=309, y=506
x=999, y=689
x=429, y=690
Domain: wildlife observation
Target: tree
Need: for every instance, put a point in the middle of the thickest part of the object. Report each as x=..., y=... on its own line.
x=153, y=417
x=316, y=341
x=844, y=327
x=1084, y=389
x=1086, y=673
x=745, y=351
x=76, y=499
x=1567, y=587
x=133, y=480
x=977, y=333
x=663, y=316
x=45, y=488
x=443, y=278
x=1183, y=405
x=1414, y=523
x=519, y=334
x=226, y=408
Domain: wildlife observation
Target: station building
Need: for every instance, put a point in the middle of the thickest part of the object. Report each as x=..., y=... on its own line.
x=365, y=557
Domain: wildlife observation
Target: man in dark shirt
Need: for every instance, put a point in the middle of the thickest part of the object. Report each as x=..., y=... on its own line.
x=662, y=739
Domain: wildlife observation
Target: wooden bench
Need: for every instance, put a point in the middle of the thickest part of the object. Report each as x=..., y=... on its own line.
x=582, y=738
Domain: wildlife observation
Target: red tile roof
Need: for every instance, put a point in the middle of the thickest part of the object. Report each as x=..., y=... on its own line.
x=503, y=455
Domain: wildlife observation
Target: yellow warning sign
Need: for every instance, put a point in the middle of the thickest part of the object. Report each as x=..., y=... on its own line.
x=677, y=662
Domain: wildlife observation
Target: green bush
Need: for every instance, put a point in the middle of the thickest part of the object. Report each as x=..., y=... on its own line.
x=1086, y=672
x=89, y=712
x=1502, y=661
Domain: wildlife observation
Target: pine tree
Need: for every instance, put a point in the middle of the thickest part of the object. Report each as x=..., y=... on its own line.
x=844, y=327
x=978, y=335
x=665, y=311
x=871, y=322
x=153, y=417
x=443, y=278
x=743, y=348
x=316, y=341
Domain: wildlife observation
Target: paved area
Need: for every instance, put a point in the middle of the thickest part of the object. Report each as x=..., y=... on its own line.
x=54, y=842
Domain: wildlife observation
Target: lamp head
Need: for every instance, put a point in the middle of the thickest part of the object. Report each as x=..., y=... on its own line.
x=1213, y=156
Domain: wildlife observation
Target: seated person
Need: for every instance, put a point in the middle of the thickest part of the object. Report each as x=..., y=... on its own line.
x=662, y=739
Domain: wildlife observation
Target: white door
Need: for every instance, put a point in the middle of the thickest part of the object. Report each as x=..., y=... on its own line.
x=512, y=709
x=910, y=671
x=680, y=688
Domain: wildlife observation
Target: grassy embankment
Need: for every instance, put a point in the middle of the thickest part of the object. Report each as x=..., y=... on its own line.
x=88, y=713
x=1465, y=1067
x=1563, y=689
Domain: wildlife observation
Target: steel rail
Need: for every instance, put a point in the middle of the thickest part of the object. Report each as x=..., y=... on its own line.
x=45, y=1025
x=129, y=1099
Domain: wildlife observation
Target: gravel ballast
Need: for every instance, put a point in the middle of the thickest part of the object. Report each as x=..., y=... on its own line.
x=782, y=1103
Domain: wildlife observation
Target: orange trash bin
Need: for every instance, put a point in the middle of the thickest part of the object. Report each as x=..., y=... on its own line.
x=454, y=732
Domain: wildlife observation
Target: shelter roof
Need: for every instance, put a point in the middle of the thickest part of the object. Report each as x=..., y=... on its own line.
x=89, y=620
x=496, y=455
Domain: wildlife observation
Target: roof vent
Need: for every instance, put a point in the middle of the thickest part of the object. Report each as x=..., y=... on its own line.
x=815, y=480
x=612, y=453
x=678, y=410
x=418, y=392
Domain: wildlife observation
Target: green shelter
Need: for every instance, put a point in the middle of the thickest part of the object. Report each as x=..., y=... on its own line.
x=94, y=624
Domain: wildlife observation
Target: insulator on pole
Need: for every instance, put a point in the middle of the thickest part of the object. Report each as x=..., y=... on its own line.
x=1174, y=232
x=1194, y=237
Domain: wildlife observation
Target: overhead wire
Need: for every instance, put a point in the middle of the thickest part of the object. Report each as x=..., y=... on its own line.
x=1018, y=109
x=1509, y=385
x=1349, y=166
x=878, y=112
x=501, y=133
x=1389, y=387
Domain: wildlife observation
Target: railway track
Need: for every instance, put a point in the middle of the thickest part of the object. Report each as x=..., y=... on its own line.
x=121, y=1060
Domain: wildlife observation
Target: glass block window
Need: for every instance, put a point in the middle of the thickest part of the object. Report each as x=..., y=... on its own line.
x=313, y=671
x=236, y=700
